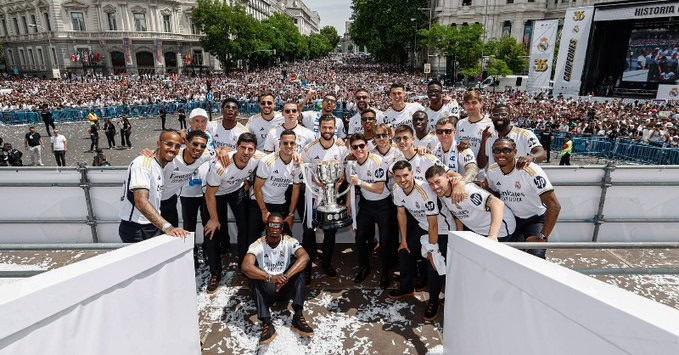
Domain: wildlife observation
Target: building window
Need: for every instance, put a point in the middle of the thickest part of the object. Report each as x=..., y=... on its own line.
x=112, y=25
x=531, y=0
x=507, y=28
x=527, y=34
x=4, y=28
x=41, y=59
x=16, y=26
x=194, y=29
x=167, y=27
x=47, y=21
x=25, y=23
x=22, y=57
x=34, y=24
x=510, y=1
x=10, y=56
x=30, y=57
x=78, y=21
x=54, y=56
x=466, y=2
x=140, y=22
x=197, y=57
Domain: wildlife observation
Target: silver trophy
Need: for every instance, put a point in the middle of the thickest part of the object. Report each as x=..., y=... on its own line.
x=328, y=213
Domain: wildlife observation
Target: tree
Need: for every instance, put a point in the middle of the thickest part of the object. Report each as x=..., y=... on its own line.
x=385, y=27
x=284, y=36
x=461, y=43
x=318, y=46
x=496, y=67
x=511, y=52
x=330, y=33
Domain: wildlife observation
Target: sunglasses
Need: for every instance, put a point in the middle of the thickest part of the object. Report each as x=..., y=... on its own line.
x=401, y=138
x=368, y=118
x=382, y=136
x=274, y=225
x=294, y=110
x=360, y=146
x=503, y=150
x=198, y=145
x=446, y=131
x=361, y=97
x=266, y=103
x=499, y=114
x=288, y=144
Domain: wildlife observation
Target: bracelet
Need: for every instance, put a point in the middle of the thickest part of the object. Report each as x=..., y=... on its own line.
x=166, y=227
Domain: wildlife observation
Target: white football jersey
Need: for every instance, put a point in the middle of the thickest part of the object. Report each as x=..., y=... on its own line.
x=429, y=141
x=450, y=109
x=303, y=137
x=223, y=137
x=420, y=163
x=389, y=158
x=520, y=190
x=474, y=213
x=454, y=159
x=274, y=261
x=178, y=173
x=356, y=125
x=143, y=173
x=372, y=170
x=472, y=132
x=422, y=202
x=314, y=153
x=196, y=184
x=525, y=141
x=260, y=127
x=311, y=120
x=404, y=117
x=232, y=178
x=278, y=175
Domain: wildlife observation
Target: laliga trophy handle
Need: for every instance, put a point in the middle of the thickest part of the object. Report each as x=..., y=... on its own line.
x=309, y=183
x=351, y=165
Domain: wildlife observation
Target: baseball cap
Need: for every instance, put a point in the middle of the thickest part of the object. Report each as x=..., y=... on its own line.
x=197, y=112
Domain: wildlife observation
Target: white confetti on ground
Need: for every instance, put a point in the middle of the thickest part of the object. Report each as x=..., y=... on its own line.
x=22, y=267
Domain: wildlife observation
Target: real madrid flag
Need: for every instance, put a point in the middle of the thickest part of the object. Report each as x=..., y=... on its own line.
x=541, y=55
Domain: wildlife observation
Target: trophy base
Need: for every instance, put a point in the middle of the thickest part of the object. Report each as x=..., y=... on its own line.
x=332, y=219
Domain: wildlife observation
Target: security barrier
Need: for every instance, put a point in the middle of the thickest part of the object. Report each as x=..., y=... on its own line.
x=599, y=203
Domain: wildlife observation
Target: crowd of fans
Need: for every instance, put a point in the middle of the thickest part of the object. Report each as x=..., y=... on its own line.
x=655, y=123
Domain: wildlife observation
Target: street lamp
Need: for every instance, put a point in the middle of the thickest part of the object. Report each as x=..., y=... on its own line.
x=412, y=19
x=49, y=42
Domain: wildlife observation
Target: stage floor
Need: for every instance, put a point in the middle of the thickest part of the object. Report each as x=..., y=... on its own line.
x=352, y=318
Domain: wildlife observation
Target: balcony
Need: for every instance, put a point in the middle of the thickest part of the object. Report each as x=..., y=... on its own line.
x=107, y=35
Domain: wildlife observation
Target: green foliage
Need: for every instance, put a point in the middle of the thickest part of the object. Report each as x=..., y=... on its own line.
x=496, y=67
x=330, y=33
x=234, y=37
x=464, y=43
x=511, y=52
x=385, y=27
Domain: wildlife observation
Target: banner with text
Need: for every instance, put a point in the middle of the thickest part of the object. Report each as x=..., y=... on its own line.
x=542, y=55
x=668, y=92
x=572, y=50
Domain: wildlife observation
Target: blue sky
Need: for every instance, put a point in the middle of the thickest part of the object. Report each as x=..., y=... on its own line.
x=333, y=12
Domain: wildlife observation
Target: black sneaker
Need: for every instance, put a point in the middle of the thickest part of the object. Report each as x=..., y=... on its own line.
x=213, y=283
x=399, y=294
x=300, y=325
x=361, y=275
x=432, y=310
x=268, y=334
x=329, y=271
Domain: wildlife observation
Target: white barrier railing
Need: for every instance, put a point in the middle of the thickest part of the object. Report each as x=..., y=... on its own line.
x=500, y=300
x=140, y=299
x=599, y=203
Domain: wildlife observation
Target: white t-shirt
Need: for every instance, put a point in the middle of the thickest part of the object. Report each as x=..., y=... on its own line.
x=392, y=156
x=194, y=187
x=312, y=121
x=303, y=137
x=405, y=116
x=429, y=141
x=474, y=213
x=472, y=132
x=356, y=125
x=143, y=173
x=261, y=127
x=450, y=109
x=520, y=190
x=274, y=261
x=278, y=175
x=420, y=164
x=421, y=203
x=223, y=137
x=178, y=173
x=232, y=178
x=525, y=140
x=453, y=159
x=372, y=170
x=59, y=142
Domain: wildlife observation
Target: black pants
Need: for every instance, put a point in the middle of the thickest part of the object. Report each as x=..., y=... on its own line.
x=382, y=213
x=49, y=123
x=131, y=232
x=182, y=123
x=527, y=227
x=565, y=159
x=95, y=143
x=309, y=237
x=190, y=208
x=256, y=225
x=125, y=138
x=435, y=281
x=411, y=264
x=264, y=294
x=220, y=244
x=168, y=210
x=60, y=156
x=111, y=139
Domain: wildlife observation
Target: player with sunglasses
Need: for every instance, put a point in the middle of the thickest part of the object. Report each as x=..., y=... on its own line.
x=450, y=153
x=362, y=102
x=526, y=191
x=260, y=124
x=312, y=119
x=369, y=176
x=304, y=136
x=226, y=133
